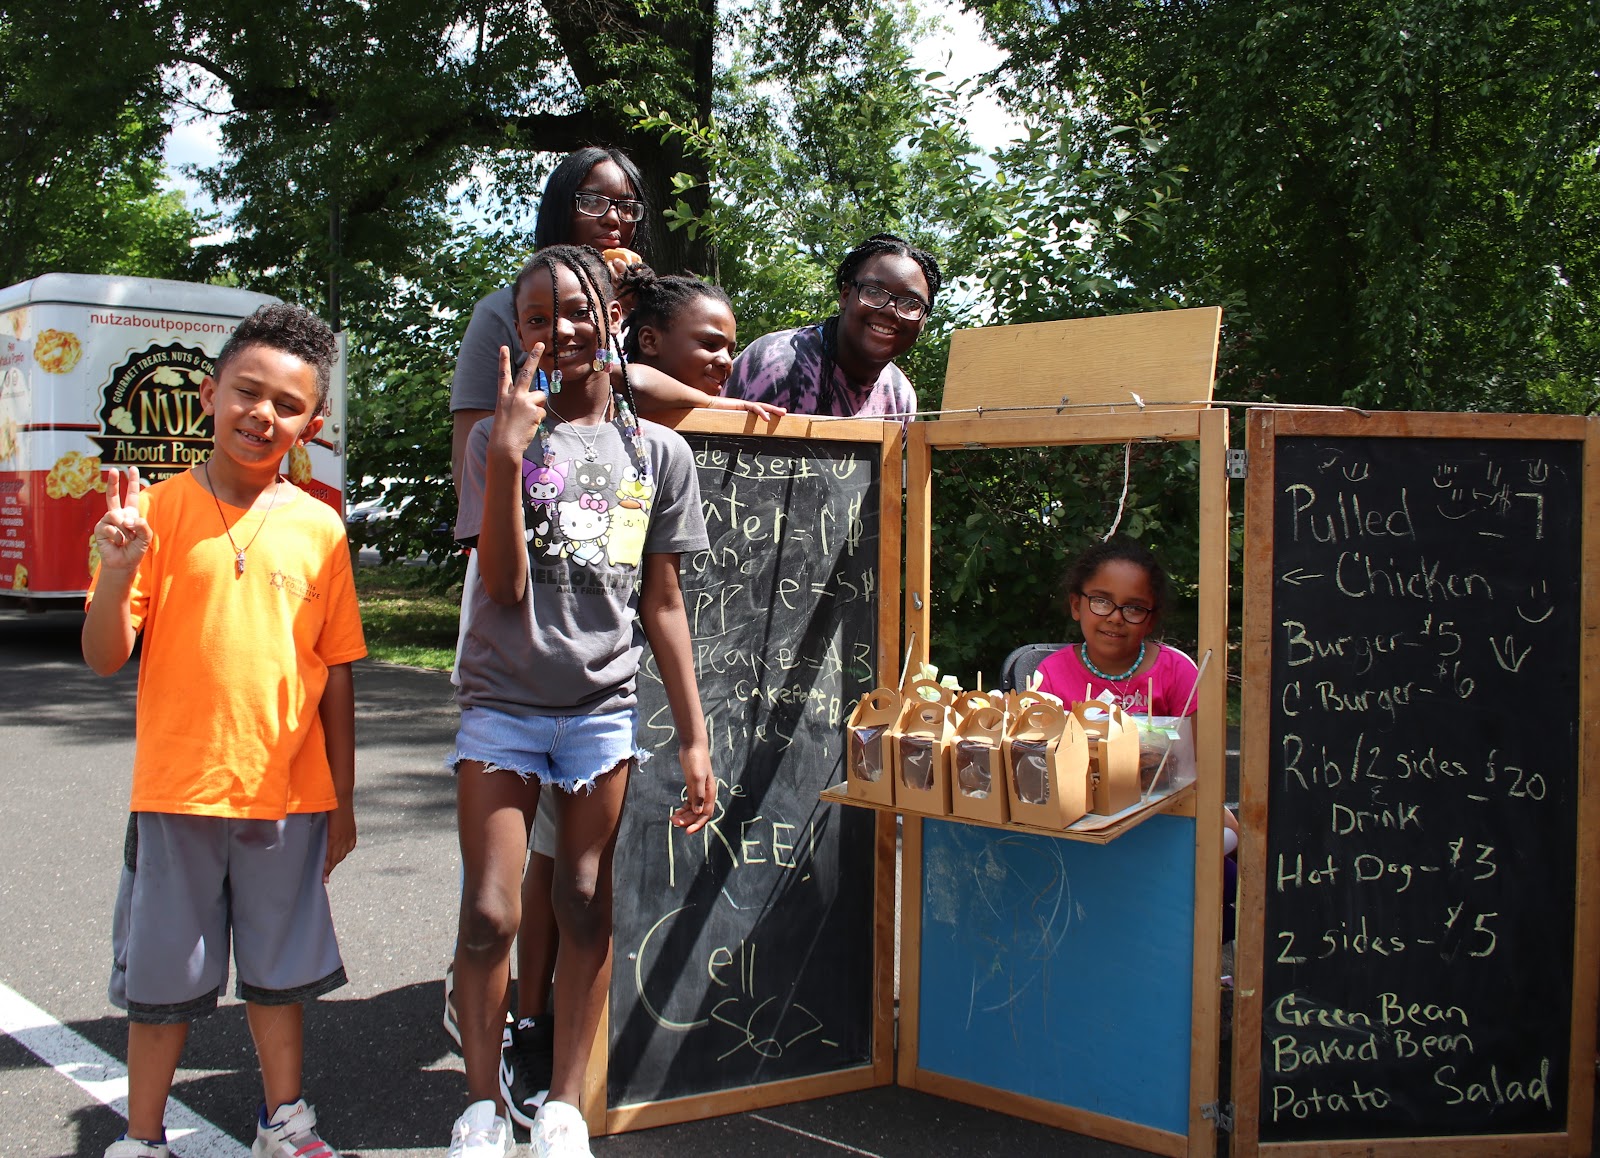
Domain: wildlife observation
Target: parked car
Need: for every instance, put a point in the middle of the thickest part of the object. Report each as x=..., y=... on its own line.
x=365, y=523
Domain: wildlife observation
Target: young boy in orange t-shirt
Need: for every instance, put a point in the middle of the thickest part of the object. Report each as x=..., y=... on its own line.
x=245, y=759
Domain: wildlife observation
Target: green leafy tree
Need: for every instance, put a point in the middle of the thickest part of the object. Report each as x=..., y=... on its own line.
x=401, y=362
x=348, y=127
x=808, y=155
x=80, y=147
x=1387, y=196
x=1056, y=211
x=817, y=143
x=810, y=152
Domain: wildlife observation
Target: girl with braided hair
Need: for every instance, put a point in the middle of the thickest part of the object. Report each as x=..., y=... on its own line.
x=549, y=666
x=845, y=365
x=594, y=197
x=681, y=326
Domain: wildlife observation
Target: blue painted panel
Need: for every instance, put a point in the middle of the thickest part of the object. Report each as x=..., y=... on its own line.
x=1062, y=970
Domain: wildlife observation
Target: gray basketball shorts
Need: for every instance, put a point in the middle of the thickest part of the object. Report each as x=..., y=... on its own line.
x=189, y=883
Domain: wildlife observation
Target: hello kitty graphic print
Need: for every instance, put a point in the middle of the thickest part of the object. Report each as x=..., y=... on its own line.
x=589, y=520
x=590, y=513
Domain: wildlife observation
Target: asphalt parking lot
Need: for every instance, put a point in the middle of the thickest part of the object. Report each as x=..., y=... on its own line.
x=379, y=1067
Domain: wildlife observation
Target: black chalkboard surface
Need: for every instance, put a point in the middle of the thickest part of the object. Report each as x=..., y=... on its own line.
x=744, y=954
x=1422, y=786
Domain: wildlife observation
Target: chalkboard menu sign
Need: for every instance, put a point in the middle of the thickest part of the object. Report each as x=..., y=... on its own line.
x=1421, y=781
x=744, y=953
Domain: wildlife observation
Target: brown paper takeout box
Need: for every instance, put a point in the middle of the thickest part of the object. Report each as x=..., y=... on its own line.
x=969, y=702
x=1113, y=755
x=977, y=766
x=870, y=767
x=922, y=750
x=1047, y=766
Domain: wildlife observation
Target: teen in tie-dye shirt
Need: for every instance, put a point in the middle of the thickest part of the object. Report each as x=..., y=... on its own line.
x=845, y=366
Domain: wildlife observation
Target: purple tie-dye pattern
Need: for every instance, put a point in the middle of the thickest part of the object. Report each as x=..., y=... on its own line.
x=785, y=368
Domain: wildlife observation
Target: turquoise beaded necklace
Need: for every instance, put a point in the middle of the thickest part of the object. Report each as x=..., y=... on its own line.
x=1083, y=650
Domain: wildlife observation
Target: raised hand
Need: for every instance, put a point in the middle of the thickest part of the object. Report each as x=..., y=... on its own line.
x=518, y=408
x=122, y=535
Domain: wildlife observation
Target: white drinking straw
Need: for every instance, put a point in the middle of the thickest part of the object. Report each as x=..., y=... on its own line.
x=906, y=665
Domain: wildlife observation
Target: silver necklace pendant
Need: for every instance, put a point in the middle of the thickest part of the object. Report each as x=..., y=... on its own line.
x=590, y=454
x=238, y=561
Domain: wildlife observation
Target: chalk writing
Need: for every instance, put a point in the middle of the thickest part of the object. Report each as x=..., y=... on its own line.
x=745, y=949
x=1424, y=692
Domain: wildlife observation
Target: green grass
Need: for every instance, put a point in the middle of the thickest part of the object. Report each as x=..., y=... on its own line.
x=408, y=622
x=405, y=620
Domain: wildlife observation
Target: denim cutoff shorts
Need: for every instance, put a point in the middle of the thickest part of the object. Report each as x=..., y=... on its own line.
x=569, y=752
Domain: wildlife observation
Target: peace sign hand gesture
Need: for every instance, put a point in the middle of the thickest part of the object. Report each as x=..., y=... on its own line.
x=122, y=535
x=518, y=407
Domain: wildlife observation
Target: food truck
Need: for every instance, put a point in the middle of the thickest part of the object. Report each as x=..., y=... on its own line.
x=100, y=372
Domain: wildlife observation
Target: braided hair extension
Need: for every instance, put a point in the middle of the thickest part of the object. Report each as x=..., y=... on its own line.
x=587, y=269
x=875, y=246
x=590, y=271
x=658, y=300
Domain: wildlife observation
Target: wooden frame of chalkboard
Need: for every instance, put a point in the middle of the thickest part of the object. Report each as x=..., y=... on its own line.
x=1187, y=842
x=1418, y=919
x=719, y=991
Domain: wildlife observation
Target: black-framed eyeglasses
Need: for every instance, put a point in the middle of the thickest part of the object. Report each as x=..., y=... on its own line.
x=1131, y=612
x=875, y=297
x=598, y=205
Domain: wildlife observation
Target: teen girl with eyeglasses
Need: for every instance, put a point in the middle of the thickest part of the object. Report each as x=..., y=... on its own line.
x=845, y=365
x=595, y=198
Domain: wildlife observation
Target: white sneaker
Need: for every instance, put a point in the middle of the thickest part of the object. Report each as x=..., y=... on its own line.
x=480, y=1133
x=292, y=1133
x=133, y=1148
x=559, y=1131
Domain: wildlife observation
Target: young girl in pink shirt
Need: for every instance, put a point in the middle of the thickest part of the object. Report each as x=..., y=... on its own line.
x=1116, y=592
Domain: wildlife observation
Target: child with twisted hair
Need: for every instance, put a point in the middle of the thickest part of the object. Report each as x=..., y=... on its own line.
x=579, y=511
x=681, y=326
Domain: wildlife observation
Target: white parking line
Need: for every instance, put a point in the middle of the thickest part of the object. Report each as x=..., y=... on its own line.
x=848, y=1149
x=104, y=1078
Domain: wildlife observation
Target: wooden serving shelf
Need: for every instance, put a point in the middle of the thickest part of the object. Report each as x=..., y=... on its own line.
x=1103, y=831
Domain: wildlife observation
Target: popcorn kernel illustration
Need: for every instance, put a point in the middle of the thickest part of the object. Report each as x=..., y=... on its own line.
x=57, y=351
x=299, y=465
x=73, y=476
